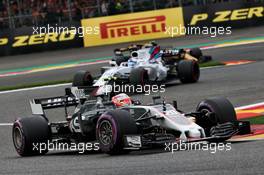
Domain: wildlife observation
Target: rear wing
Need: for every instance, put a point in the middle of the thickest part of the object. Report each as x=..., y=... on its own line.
x=39, y=105
x=72, y=98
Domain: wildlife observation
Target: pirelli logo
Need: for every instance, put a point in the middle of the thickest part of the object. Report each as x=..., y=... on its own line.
x=149, y=25
x=137, y=26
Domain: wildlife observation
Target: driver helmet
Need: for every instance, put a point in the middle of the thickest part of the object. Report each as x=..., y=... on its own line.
x=121, y=100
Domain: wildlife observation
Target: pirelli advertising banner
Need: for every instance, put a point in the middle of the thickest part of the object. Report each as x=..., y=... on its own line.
x=132, y=27
x=236, y=14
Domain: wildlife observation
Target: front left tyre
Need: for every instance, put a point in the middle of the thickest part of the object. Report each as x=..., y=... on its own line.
x=221, y=107
x=218, y=113
x=28, y=133
x=111, y=129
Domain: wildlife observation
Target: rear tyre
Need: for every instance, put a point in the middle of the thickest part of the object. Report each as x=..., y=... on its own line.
x=82, y=78
x=222, y=110
x=188, y=71
x=28, y=132
x=111, y=128
x=196, y=52
x=139, y=76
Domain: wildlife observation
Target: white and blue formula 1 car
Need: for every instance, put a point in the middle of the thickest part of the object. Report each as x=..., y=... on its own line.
x=147, y=65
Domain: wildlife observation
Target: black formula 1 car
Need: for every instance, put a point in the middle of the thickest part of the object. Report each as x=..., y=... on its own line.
x=118, y=130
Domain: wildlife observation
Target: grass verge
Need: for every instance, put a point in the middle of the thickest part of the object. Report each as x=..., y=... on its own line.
x=212, y=64
x=37, y=84
x=255, y=120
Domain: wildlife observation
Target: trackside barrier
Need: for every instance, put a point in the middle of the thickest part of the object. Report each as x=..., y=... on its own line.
x=24, y=40
x=237, y=14
x=133, y=27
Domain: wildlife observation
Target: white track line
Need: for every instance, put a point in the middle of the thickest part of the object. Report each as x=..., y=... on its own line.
x=6, y=124
x=35, y=88
x=250, y=106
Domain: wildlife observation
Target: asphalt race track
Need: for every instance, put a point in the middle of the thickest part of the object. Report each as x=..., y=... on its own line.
x=242, y=85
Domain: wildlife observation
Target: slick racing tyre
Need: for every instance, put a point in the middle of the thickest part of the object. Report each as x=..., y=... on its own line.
x=139, y=76
x=28, y=133
x=216, y=111
x=82, y=78
x=196, y=52
x=188, y=71
x=111, y=128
